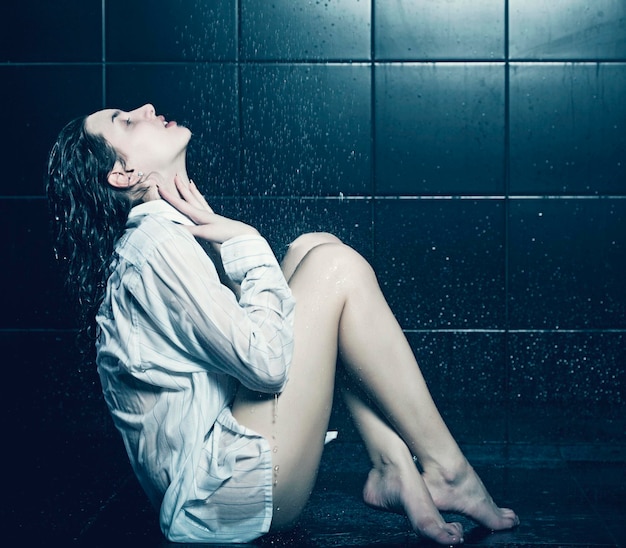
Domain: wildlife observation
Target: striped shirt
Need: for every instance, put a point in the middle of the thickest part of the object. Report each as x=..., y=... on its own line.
x=173, y=346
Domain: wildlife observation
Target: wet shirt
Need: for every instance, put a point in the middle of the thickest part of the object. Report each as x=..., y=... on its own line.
x=173, y=346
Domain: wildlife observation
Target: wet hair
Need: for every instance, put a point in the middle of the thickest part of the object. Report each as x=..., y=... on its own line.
x=87, y=218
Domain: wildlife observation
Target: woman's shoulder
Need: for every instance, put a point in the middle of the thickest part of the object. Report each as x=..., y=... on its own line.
x=152, y=234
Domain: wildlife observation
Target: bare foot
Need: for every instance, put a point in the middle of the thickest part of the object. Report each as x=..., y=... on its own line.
x=463, y=492
x=401, y=489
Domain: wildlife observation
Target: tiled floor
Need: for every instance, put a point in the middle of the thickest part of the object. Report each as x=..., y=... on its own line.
x=67, y=481
x=568, y=497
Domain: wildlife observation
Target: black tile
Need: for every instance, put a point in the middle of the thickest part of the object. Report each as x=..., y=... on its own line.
x=534, y=455
x=561, y=531
x=573, y=422
x=200, y=96
x=127, y=519
x=604, y=486
x=171, y=30
x=286, y=30
x=575, y=29
x=283, y=220
x=567, y=128
x=306, y=129
x=446, y=270
x=42, y=100
x=62, y=449
x=567, y=388
x=65, y=482
x=597, y=452
x=566, y=257
x=475, y=365
x=35, y=297
x=617, y=530
x=66, y=394
x=407, y=30
x=552, y=508
x=439, y=128
x=62, y=31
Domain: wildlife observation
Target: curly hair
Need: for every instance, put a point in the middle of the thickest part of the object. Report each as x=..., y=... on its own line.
x=87, y=217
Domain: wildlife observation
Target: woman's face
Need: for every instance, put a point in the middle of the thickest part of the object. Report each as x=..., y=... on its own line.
x=147, y=142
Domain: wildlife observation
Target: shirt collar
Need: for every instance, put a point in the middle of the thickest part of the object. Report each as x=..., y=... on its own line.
x=157, y=207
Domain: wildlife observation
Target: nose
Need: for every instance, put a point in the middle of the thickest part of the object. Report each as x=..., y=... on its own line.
x=146, y=111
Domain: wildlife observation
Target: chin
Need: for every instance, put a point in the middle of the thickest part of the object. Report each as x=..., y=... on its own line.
x=187, y=132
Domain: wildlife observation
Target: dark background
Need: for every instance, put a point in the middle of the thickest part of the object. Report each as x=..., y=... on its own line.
x=473, y=150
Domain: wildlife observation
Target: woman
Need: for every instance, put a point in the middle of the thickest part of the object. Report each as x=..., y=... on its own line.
x=223, y=394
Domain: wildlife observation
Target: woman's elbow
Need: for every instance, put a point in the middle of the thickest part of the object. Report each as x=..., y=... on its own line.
x=268, y=375
x=275, y=377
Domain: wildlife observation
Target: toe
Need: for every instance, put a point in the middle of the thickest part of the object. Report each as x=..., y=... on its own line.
x=455, y=533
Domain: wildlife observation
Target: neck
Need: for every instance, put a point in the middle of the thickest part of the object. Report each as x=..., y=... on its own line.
x=165, y=180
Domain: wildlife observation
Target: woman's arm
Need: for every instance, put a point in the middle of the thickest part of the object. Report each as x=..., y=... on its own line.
x=198, y=322
x=191, y=322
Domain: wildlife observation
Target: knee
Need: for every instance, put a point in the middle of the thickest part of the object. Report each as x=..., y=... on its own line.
x=300, y=248
x=305, y=242
x=341, y=263
x=329, y=254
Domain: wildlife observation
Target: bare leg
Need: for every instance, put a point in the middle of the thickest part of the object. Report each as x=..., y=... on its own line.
x=339, y=304
x=295, y=425
x=394, y=482
x=388, y=372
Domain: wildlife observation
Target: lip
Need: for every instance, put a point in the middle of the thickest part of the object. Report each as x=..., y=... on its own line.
x=163, y=121
x=166, y=124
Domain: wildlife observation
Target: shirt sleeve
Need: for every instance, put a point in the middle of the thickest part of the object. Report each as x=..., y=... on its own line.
x=182, y=300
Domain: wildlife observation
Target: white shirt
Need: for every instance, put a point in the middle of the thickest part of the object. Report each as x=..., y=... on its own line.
x=173, y=346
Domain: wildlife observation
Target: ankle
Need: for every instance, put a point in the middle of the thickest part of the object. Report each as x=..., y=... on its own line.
x=392, y=458
x=451, y=472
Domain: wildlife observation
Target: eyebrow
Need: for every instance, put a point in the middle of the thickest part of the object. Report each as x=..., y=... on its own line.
x=115, y=115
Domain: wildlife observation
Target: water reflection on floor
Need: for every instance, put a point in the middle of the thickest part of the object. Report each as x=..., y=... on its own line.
x=563, y=498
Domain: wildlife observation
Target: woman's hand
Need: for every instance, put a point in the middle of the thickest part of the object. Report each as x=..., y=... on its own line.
x=209, y=226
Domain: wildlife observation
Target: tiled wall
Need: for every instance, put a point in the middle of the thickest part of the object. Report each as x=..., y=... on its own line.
x=473, y=150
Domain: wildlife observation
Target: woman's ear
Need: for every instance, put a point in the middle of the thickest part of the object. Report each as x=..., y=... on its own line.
x=118, y=177
x=121, y=177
